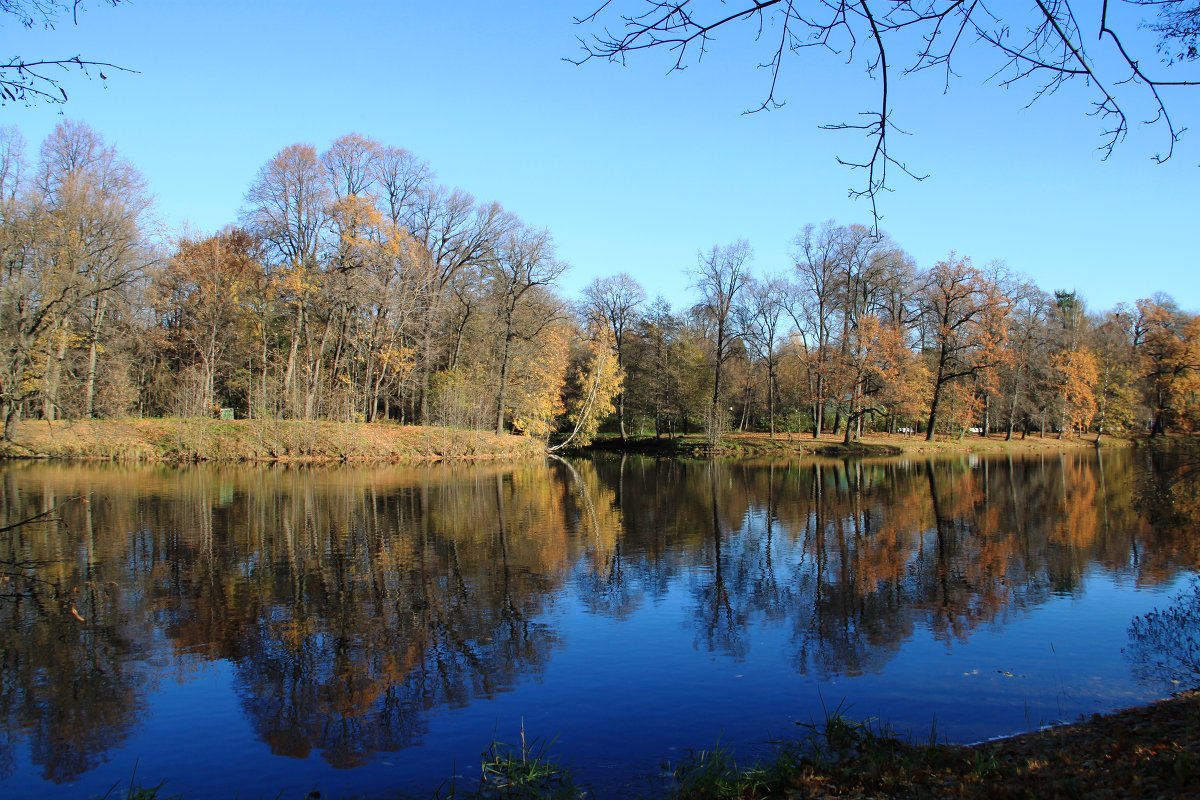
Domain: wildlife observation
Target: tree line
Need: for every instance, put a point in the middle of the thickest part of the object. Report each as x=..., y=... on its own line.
x=354, y=286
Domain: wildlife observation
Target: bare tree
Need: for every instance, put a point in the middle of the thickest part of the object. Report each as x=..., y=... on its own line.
x=720, y=276
x=289, y=212
x=39, y=80
x=402, y=179
x=454, y=234
x=1178, y=27
x=760, y=318
x=352, y=164
x=813, y=307
x=1044, y=44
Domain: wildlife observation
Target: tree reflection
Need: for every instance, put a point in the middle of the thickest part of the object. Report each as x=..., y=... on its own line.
x=1165, y=644
x=71, y=640
x=352, y=602
x=349, y=603
x=854, y=555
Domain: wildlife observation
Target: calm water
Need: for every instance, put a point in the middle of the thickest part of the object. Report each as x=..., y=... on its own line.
x=253, y=631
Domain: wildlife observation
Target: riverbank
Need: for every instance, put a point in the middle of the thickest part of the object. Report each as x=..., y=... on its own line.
x=185, y=440
x=1150, y=751
x=736, y=445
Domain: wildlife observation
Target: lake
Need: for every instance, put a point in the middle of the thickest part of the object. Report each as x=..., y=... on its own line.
x=363, y=631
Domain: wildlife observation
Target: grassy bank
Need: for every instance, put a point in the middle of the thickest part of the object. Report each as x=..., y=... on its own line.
x=177, y=440
x=1153, y=751
x=791, y=444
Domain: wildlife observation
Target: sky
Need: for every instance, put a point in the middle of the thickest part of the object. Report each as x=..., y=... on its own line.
x=633, y=168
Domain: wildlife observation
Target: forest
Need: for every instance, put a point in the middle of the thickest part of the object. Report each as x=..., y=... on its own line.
x=355, y=287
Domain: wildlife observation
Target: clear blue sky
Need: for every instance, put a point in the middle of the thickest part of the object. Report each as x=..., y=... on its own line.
x=631, y=168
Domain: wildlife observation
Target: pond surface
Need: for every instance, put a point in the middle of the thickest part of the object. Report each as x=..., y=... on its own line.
x=262, y=632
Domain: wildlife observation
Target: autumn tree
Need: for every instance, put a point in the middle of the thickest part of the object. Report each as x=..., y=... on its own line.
x=1168, y=343
x=524, y=262
x=1078, y=374
x=617, y=301
x=903, y=376
x=870, y=270
x=1073, y=367
x=74, y=239
x=1117, y=387
x=288, y=205
x=963, y=320
x=98, y=208
x=860, y=371
x=594, y=384
x=201, y=298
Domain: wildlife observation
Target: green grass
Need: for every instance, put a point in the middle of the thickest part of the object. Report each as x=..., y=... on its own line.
x=522, y=772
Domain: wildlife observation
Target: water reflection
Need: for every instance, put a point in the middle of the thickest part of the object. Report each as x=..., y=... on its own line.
x=352, y=602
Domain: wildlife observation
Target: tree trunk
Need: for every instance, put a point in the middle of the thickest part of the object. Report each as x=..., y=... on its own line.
x=818, y=408
x=89, y=386
x=9, y=409
x=290, y=385
x=505, y=356
x=54, y=375
x=621, y=415
x=933, y=411
x=771, y=401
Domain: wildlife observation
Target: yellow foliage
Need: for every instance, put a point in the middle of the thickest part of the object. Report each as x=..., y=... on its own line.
x=1078, y=375
x=539, y=372
x=597, y=380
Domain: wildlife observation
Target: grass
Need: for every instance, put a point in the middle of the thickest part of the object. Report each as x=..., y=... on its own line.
x=270, y=440
x=187, y=440
x=135, y=791
x=519, y=773
x=1152, y=752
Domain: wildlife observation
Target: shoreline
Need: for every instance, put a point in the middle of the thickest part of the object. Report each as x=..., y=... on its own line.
x=828, y=445
x=267, y=441
x=184, y=440
x=1151, y=750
